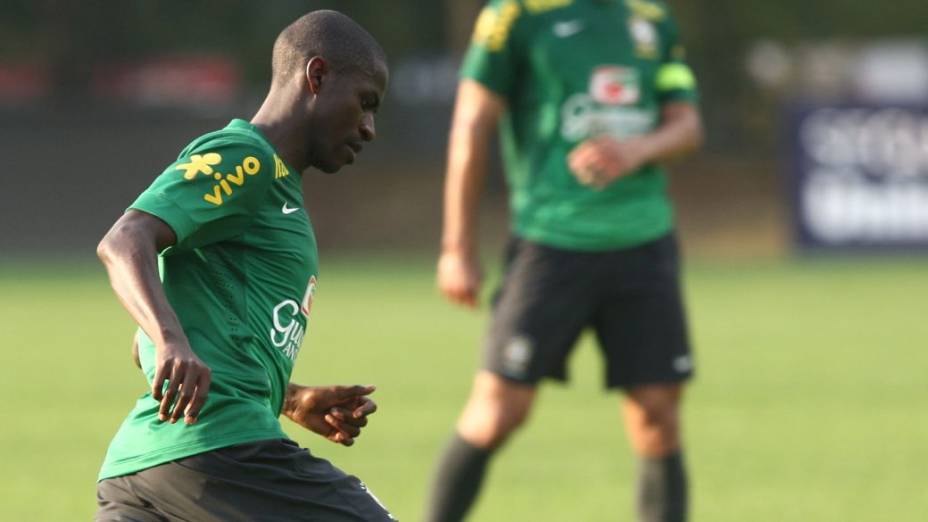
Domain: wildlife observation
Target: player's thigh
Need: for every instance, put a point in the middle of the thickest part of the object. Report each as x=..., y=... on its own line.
x=546, y=298
x=269, y=481
x=118, y=503
x=641, y=322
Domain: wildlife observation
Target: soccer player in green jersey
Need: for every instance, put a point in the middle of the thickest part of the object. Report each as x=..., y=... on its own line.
x=589, y=96
x=217, y=263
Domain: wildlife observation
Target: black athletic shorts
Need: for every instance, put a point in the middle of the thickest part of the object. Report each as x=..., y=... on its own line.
x=271, y=480
x=629, y=297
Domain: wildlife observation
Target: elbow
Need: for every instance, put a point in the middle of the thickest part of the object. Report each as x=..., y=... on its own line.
x=697, y=137
x=694, y=136
x=697, y=131
x=117, y=241
x=105, y=249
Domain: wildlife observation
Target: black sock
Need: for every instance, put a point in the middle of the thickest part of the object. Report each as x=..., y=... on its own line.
x=662, y=489
x=457, y=481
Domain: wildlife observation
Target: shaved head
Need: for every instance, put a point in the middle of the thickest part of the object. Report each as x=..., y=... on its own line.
x=344, y=44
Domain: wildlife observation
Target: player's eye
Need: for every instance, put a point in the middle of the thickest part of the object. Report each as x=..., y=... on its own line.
x=369, y=103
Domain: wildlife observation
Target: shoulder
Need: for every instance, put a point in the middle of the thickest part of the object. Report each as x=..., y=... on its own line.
x=655, y=11
x=228, y=150
x=234, y=142
x=225, y=164
x=500, y=18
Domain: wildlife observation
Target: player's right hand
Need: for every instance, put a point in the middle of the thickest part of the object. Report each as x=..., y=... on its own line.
x=188, y=380
x=459, y=278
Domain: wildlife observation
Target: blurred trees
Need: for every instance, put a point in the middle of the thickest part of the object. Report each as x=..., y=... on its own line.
x=66, y=35
x=68, y=38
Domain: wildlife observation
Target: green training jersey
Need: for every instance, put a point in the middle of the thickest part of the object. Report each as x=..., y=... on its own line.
x=570, y=70
x=241, y=278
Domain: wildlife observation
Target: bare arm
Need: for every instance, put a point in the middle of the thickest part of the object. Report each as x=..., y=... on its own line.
x=603, y=159
x=476, y=113
x=129, y=251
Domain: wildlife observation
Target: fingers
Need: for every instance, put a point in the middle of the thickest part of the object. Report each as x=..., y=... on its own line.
x=157, y=384
x=341, y=432
x=586, y=163
x=468, y=298
x=587, y=173
x=581, y=157
x=366, y=408
x=355, y=417
x=174, y=379
x=598, y=161
x=348, y=421
x=345, y=393
x=185, y=395
x=196, y=405
x=187, y=387
x=459, y=279
x=345, y=423
x=462, y=292
x=342, y=439
x=344, y=428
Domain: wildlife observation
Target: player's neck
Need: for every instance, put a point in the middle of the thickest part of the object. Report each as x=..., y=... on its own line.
x=282, y=131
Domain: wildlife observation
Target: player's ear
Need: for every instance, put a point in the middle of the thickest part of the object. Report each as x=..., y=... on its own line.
x=316, y=70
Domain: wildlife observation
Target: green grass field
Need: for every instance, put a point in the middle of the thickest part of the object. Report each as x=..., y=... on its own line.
x=811, y=402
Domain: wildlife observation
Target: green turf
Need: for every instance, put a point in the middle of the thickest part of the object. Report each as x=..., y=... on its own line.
x=810, y=402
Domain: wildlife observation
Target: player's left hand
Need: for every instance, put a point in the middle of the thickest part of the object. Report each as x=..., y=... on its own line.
x=336, y=412
x=599, y=161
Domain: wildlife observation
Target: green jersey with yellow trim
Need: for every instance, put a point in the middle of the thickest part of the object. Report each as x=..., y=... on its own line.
x=241, y=278
x=570, y=70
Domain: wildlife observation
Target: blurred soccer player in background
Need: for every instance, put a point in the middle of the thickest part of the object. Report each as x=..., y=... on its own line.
x=590, y=96
x=221, y=328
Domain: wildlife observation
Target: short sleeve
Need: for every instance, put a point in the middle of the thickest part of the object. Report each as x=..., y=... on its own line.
x=211, y=192
x=675, y=80
x=494, y=53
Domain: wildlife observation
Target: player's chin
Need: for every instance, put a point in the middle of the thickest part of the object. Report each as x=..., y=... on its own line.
x=330, y=167
x=335, y=164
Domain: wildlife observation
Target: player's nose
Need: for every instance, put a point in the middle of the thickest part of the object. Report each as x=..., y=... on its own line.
x=368, y=130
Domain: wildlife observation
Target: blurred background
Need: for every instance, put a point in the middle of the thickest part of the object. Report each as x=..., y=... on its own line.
x=97, y=97
x=804, y=220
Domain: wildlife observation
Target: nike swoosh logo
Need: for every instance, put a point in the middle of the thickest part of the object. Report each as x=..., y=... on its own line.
x=565, y=29
x=287, y=210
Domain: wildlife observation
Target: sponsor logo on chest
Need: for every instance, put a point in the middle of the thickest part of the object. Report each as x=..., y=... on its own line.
x=608, y=106
x=615, y=85
x=286, y=332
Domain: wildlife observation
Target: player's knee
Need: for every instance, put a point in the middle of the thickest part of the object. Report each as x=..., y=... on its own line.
x=491, y=425
x=508, y=420
x=659, y=433
x=654, y=423
x=495, y=410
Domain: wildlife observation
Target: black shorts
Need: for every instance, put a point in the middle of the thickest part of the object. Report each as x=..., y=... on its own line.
x=629, y=297
x=272, y=480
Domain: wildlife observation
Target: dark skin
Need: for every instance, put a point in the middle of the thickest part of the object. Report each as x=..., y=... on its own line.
x=343, y=103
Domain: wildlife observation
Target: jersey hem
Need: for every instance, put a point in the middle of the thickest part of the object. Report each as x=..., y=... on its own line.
x=171, y=453
x=565, y=242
